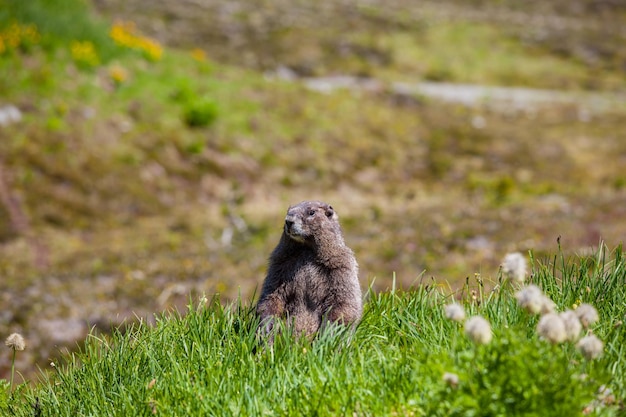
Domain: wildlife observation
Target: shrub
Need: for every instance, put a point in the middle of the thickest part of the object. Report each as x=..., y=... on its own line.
x=200, y=112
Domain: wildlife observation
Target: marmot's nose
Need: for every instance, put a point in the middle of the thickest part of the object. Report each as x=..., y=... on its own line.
x=288, y=224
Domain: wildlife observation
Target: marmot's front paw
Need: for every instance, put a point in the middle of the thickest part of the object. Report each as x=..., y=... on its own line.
x=266, y=329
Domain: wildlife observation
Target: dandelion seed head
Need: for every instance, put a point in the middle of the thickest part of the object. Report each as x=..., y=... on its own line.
x=15, y=341
x=451, y=379
x=514, y=267
x=590, y=346
x=478, y=330
x=454, y=312
x=552, y=328
x=531, y=299
x=572, y=325
x=587, y=314
x=547, y=305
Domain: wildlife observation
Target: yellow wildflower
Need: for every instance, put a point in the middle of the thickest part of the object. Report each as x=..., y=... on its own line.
x=151, y=48
x=84, y=53
x=12, y=35
x=122, y=33
x=30, y=34
x=118, y=74
x=126, y=35
x=198, y=54
x=17, y=35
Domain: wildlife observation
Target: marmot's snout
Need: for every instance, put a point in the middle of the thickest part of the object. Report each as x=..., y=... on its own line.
x=293, y=228
x=290, y=220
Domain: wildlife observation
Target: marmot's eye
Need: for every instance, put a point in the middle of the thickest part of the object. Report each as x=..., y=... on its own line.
x=311, y=212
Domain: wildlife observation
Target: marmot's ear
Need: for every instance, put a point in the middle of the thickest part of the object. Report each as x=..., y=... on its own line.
x=329, y=211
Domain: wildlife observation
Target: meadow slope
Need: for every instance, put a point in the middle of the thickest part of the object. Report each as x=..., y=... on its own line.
x=406, y=357
x=158, y=146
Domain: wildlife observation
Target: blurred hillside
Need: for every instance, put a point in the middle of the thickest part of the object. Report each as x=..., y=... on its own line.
x=149, y=150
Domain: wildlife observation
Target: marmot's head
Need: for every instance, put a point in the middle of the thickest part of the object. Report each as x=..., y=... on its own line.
x=312, y=222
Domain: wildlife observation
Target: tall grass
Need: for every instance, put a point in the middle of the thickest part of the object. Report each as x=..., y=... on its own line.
x=209, y=361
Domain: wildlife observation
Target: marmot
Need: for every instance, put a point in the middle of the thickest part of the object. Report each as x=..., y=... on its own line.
x=312, y=275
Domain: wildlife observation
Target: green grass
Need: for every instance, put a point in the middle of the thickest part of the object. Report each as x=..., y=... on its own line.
x=129, y=204
x=481, y=55
x=209, y=362
x=60, y=21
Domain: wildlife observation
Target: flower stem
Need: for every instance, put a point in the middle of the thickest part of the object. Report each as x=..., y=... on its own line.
x=12, y=369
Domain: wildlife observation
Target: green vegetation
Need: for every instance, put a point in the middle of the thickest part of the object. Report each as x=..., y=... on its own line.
x=58, y=21
x=208, y=361
x=200, y=113
x=144, y=169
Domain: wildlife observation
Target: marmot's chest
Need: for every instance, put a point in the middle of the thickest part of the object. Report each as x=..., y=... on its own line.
x=307, y=287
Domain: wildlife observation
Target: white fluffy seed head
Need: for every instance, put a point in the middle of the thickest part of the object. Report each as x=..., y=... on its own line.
x=530, y=298
x=454, y=312
x=15, y=341
x=514, y=267
x=572, y=325
x=587, y=314
x=552, y=328
x=478, y=330
x=590, y=346
x=533, y=300
x=451, y=379
x=547, y=305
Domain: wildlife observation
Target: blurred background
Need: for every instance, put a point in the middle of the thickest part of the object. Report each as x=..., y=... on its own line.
x=149, y=150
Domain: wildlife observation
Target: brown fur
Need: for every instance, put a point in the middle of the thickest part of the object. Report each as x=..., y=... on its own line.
x=312, y=274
